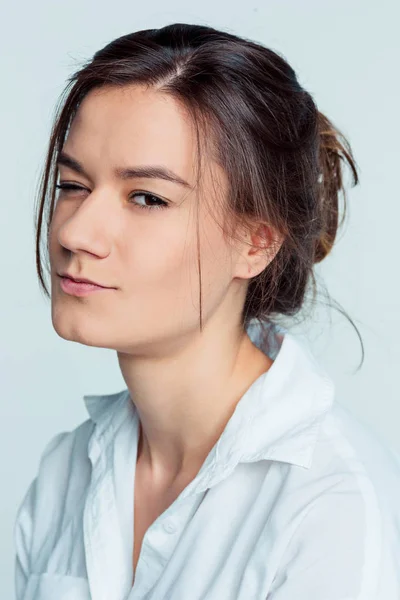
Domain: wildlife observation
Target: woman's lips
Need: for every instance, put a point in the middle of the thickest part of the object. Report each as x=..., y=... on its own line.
x=69, y=286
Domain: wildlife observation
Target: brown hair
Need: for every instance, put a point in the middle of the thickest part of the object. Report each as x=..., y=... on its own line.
x=282, y=157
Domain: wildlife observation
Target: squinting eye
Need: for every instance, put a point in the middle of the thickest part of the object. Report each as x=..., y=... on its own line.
x=70, y=187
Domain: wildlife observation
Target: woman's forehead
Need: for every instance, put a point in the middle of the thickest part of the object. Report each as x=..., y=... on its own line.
x=138, y=125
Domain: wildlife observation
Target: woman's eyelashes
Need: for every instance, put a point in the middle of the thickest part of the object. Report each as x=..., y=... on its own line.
x=71, y=187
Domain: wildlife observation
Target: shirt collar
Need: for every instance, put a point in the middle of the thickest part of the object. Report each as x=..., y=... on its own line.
x=278, y=417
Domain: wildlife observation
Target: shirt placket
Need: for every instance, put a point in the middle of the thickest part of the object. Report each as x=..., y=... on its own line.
x=105, y=553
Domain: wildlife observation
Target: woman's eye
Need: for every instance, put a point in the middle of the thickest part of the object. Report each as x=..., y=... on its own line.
x=69, y=187
x=161, y=203
x=73, y=187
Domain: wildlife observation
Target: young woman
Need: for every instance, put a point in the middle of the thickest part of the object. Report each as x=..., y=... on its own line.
x=198, y=184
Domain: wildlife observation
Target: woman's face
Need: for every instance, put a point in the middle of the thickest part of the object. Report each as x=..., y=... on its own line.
x=143, y=247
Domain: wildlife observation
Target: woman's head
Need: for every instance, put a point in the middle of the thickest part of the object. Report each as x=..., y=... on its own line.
x=239, y=240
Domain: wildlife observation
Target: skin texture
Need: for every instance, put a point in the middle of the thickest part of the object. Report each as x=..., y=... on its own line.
x=185, y=383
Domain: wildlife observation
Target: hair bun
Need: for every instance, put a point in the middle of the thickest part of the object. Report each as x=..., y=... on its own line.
x=333, y=149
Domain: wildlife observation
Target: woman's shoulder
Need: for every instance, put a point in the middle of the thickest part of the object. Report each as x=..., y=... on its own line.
x=68, y=452
x=53, y=498
x=65, y=463
x=346, y=508
x=66, y=443
x=356, y=447
x=62, y=463
x=350, y=454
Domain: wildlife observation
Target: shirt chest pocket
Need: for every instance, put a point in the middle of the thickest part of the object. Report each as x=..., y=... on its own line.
x=50, y=586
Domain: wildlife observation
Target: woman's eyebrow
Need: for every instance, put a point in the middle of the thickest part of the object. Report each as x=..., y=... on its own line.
x=149, y=171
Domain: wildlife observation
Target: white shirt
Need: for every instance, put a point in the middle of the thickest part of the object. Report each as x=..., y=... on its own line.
x=297, y=500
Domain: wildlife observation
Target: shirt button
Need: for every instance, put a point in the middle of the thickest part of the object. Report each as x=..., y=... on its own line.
x=169, y=527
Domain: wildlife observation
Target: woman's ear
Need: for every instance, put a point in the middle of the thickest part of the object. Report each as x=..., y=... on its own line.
x=262, y=243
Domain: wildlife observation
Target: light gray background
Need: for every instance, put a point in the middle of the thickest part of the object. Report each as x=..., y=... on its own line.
x=347, y=55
